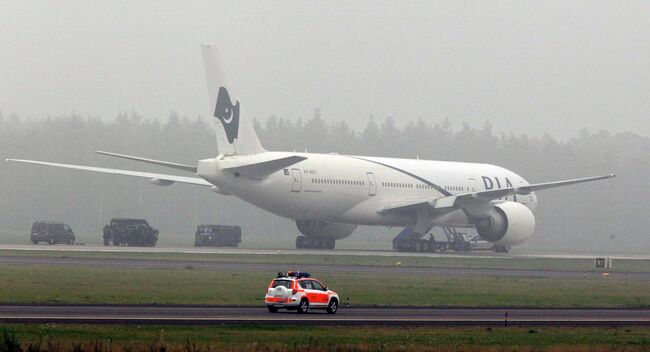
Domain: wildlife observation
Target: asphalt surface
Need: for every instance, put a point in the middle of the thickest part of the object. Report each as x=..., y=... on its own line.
x=345, y=316
x=284, y=251
x=206, y=265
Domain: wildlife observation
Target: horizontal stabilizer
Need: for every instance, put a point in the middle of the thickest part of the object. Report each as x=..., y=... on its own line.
x=151, y=161
x=260, y=170
x=159, y=179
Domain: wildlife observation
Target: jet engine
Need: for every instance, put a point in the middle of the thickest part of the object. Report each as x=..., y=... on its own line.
x=315, y=228
x=505, y=224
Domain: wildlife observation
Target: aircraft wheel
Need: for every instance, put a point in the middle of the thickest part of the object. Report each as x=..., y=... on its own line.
x=301, y=242
x=421, y=246
x=331, y=243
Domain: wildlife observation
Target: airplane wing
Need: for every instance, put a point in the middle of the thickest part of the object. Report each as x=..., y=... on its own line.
x=157, y=179
x=486, y=196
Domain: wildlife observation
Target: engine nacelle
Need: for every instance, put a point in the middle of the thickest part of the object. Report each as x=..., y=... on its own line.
x=506, y=223
x=315, y=228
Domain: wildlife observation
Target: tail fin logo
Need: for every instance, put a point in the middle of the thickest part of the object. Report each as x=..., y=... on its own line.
x=228, y=114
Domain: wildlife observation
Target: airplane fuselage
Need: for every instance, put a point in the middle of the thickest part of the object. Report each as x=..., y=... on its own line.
x=350, y=189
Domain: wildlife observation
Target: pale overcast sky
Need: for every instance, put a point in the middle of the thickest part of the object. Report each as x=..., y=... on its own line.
x=531, y=67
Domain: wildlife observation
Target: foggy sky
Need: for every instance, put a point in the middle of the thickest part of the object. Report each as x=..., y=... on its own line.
x=528, y=67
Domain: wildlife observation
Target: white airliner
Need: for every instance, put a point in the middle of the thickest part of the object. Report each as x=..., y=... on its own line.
x=328, y=195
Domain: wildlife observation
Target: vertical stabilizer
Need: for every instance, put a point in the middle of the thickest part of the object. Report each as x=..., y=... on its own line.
x=235, y=133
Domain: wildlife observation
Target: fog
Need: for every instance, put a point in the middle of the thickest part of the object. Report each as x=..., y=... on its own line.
x=550, y=90
x=527, y=66
x=607, y=215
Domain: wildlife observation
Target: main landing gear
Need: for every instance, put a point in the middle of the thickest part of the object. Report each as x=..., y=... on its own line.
x=304, y=242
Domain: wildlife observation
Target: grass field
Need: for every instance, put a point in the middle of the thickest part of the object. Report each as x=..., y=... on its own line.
x=98, y=338
x=101, y=285
x=67, y=284
x=288, y=258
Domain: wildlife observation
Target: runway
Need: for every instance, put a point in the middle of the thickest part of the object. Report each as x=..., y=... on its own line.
x=345, y=316
x=285, y=251
x=171, y=264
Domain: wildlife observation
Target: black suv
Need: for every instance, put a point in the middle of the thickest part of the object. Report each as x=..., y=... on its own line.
x=130, y=232
x=51, y=232
x=217, y=236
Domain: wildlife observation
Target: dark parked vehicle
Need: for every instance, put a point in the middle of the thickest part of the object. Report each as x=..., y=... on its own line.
x=51, y=232
x=217, y=236
x=130, y=232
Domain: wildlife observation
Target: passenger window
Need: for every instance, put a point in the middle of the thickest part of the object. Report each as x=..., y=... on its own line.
x=317, y=286
x=306, y=284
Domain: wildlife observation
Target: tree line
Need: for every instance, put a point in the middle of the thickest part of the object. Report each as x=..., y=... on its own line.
x=607, y=215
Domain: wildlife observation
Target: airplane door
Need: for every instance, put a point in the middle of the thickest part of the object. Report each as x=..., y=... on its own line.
x=297, y=180
x=472, y=184
x=372, y=186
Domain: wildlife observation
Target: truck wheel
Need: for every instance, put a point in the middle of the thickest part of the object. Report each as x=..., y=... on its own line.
x=304, y=306
x=333, y=306
x=51, y=241
x=272, y=309
x=34, y=242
